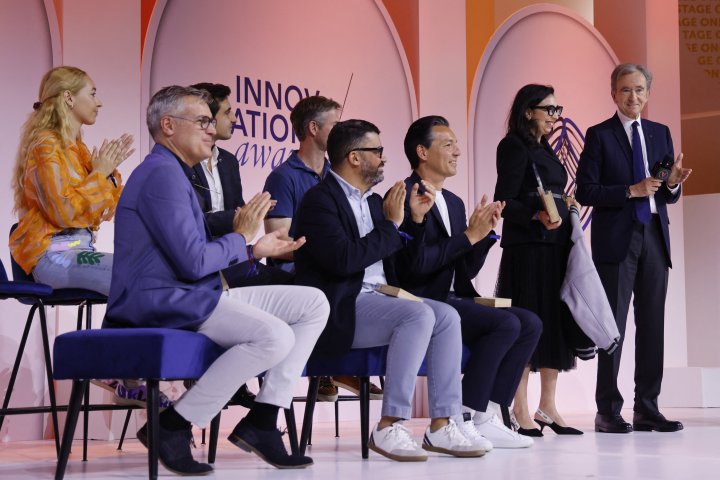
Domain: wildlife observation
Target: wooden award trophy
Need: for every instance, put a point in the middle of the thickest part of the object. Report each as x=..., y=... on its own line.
x=547, y=199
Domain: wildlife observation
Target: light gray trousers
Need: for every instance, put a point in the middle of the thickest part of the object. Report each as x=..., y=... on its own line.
x=271, y=329
x=412, y=329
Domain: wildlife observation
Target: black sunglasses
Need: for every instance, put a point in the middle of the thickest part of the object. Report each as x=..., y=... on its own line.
x=550, y=109
x=378, y=150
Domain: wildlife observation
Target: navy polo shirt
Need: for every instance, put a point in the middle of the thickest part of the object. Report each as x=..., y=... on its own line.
x=288, y=183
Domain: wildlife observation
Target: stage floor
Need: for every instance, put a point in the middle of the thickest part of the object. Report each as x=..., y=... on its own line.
x=692, y=453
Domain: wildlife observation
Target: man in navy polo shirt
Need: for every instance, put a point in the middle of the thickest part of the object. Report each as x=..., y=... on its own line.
x=312, y=119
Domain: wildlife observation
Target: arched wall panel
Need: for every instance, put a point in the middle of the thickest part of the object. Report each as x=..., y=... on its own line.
x=550, y=45
x=270, y=43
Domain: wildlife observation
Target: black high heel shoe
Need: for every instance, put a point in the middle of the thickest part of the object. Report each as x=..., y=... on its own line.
x=528, y=432
x=554, y=426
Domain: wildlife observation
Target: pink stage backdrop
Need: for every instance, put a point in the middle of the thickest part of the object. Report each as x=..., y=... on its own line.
x=270, y=60
x=550, y=45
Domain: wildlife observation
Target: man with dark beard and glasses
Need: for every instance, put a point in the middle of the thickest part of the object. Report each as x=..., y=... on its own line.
x=352, y=241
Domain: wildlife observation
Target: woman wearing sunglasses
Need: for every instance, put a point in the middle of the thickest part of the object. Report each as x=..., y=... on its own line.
x=535, y=251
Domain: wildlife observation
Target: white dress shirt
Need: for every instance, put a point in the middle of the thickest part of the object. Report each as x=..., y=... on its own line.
x=627, y=125
x=442, y=207
x=359, y=204
x=213, y=180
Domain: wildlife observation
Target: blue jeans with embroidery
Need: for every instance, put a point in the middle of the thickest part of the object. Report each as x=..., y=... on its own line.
x=71, y=261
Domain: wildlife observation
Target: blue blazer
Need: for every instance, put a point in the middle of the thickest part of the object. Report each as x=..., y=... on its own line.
x=428, y=270
x=605, y=170
x=334, y=258
x=165, y=268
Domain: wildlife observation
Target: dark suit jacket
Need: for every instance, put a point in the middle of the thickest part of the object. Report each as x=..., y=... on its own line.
x=334, y=258
x=165, y=273
x=428, y=270
x=516, y=179
x=229, y=168
x=604, y=172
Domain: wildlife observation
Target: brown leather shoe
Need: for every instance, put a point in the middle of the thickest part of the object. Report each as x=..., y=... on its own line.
x=327, y=392
x=352, y=384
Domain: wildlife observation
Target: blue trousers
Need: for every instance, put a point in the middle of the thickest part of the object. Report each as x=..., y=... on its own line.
x=413, y=329
x=71, y=261
x=502, y=340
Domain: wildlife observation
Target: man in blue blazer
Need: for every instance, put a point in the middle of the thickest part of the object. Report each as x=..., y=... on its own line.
x=443, y=267
x=352, y=241
x=631, y=242
x=166, y=276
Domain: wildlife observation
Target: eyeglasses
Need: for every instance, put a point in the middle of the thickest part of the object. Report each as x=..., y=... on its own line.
x=550, y=109
x=205, y=121
x=377, y=150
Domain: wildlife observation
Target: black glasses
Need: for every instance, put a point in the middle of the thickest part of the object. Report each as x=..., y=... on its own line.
x=205, y=121
x=550, y=109
x=378, y=150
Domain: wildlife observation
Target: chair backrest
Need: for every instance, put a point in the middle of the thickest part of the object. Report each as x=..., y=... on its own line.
x=17, y=271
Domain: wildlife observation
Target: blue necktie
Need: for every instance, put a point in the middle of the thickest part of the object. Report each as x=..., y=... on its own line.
x=642, y=205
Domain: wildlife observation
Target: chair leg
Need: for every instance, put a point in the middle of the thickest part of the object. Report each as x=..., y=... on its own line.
x=292, y=429
x=309, y=440
x=153, y=424
x=18, y=359
x=506, y=416
x=86, y=420
x=364, y=414
x=337, y=419
x=48, y=370
x=86, y=417
x=80, y=316
x=127, y=421
x=214, y=431
x=314, y=383
x=203, y=437
x=382, y=382
x=70, y=422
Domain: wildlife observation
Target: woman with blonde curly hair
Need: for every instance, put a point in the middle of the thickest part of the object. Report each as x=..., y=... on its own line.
x=62, y=191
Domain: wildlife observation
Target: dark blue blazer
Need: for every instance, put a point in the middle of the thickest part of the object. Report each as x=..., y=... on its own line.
x=220, y=223
x=427, y=271
x=604, y=172
x=165, y=268
x=335, y=257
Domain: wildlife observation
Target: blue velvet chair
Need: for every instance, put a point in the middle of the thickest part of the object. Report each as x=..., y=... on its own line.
x=363, y=363
x=44, y=296
x=157, y=354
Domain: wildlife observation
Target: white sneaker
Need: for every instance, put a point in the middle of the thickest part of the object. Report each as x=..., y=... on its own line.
x=467, y=428
x=395, y=443
x=451, y=441
x=501, y=436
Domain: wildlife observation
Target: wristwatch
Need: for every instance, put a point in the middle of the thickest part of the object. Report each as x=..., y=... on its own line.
x=628, y=194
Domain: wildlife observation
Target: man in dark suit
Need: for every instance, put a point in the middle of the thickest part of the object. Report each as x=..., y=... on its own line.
x=452, y=253
x=631, y=242
x=217, y=184
x=354, y=237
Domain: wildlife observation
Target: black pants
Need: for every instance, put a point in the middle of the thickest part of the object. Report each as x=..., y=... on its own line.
x=236, y=276
x=645, y=273
x=502, y=340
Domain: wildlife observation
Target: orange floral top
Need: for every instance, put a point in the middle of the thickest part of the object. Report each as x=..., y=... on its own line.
x=61, y=191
